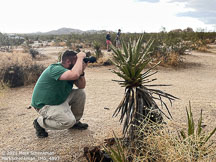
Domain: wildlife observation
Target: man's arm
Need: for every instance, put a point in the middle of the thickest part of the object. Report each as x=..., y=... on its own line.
x=81, y=82
x=76, y=71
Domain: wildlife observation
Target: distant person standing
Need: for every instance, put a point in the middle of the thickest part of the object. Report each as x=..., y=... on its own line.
x=108, y=41
x=118, y=43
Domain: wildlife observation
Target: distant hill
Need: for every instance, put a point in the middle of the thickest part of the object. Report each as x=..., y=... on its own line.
x=65, y=31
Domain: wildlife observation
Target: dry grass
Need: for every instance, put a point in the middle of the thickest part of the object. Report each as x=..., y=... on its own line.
x=7, y=59
x=174, y=59
x=165, y=145
x=170, y=60
x=162, y=143
x=202, y=49
x=19, y=65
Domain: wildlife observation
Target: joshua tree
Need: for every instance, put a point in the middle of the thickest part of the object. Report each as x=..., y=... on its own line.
x=139, y=101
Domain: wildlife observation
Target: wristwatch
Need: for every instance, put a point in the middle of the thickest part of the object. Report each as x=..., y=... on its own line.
x=83, y=74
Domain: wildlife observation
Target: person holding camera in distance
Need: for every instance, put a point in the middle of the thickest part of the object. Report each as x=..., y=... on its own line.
x=60, y=105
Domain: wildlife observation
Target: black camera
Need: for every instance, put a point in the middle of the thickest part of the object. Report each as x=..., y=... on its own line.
x=91, y=59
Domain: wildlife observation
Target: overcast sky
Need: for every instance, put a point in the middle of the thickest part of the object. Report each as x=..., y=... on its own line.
x=25, y=16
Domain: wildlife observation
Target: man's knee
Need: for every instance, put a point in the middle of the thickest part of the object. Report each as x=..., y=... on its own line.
x=59, y=123
x=79, y=99
x=68, y=123
x=81, y=93
x=78, y=96
x=65, y=124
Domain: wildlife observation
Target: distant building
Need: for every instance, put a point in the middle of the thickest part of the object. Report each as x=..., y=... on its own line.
x=13, y=36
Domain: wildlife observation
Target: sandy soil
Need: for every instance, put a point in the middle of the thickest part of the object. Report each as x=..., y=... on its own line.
x=194, y=82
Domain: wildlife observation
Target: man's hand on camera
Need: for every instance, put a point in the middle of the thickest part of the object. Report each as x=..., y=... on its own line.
x=81, y=55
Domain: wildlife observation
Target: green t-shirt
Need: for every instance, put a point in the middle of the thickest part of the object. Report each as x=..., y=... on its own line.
x=49, y=90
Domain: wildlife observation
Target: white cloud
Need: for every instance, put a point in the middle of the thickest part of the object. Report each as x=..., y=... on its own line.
x=129, y=15
x=151, y=1
x=205, y=10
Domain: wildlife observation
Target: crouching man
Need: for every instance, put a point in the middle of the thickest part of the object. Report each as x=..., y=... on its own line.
x=59, y=105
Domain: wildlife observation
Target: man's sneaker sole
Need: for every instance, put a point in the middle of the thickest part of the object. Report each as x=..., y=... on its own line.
x=80, y=126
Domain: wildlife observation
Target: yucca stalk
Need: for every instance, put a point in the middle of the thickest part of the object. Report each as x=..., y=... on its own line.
x=139, y=101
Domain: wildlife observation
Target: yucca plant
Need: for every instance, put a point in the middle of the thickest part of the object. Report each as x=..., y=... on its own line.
x=97, y=47
x=118, y=153
x=140, y=98
x=196, y=138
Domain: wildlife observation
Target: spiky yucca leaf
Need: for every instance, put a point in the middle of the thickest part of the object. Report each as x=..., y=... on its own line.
x=139, y=101
x=197, y=139
x=118, y=153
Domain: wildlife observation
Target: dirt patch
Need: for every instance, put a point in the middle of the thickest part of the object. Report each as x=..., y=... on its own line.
x=195, y=82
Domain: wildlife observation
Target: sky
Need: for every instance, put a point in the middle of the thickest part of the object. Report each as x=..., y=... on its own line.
x=27, y=16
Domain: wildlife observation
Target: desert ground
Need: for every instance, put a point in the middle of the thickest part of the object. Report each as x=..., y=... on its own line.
x=194, y=82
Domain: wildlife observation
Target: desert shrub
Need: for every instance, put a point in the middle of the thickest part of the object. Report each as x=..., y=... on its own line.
x=199, y=45
x=97, y=48
x=33, y=53
x=6, y=40
x=172, y=59
x=88, y=54
x=68, y=44
x=18, y=75
x=13, y=76
x=107, y=62
x=18, y=69
x=169, y=48
x=59, y=56
x=32, y=73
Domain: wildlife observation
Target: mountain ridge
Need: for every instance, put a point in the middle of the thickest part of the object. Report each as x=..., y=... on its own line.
x=67, y=31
